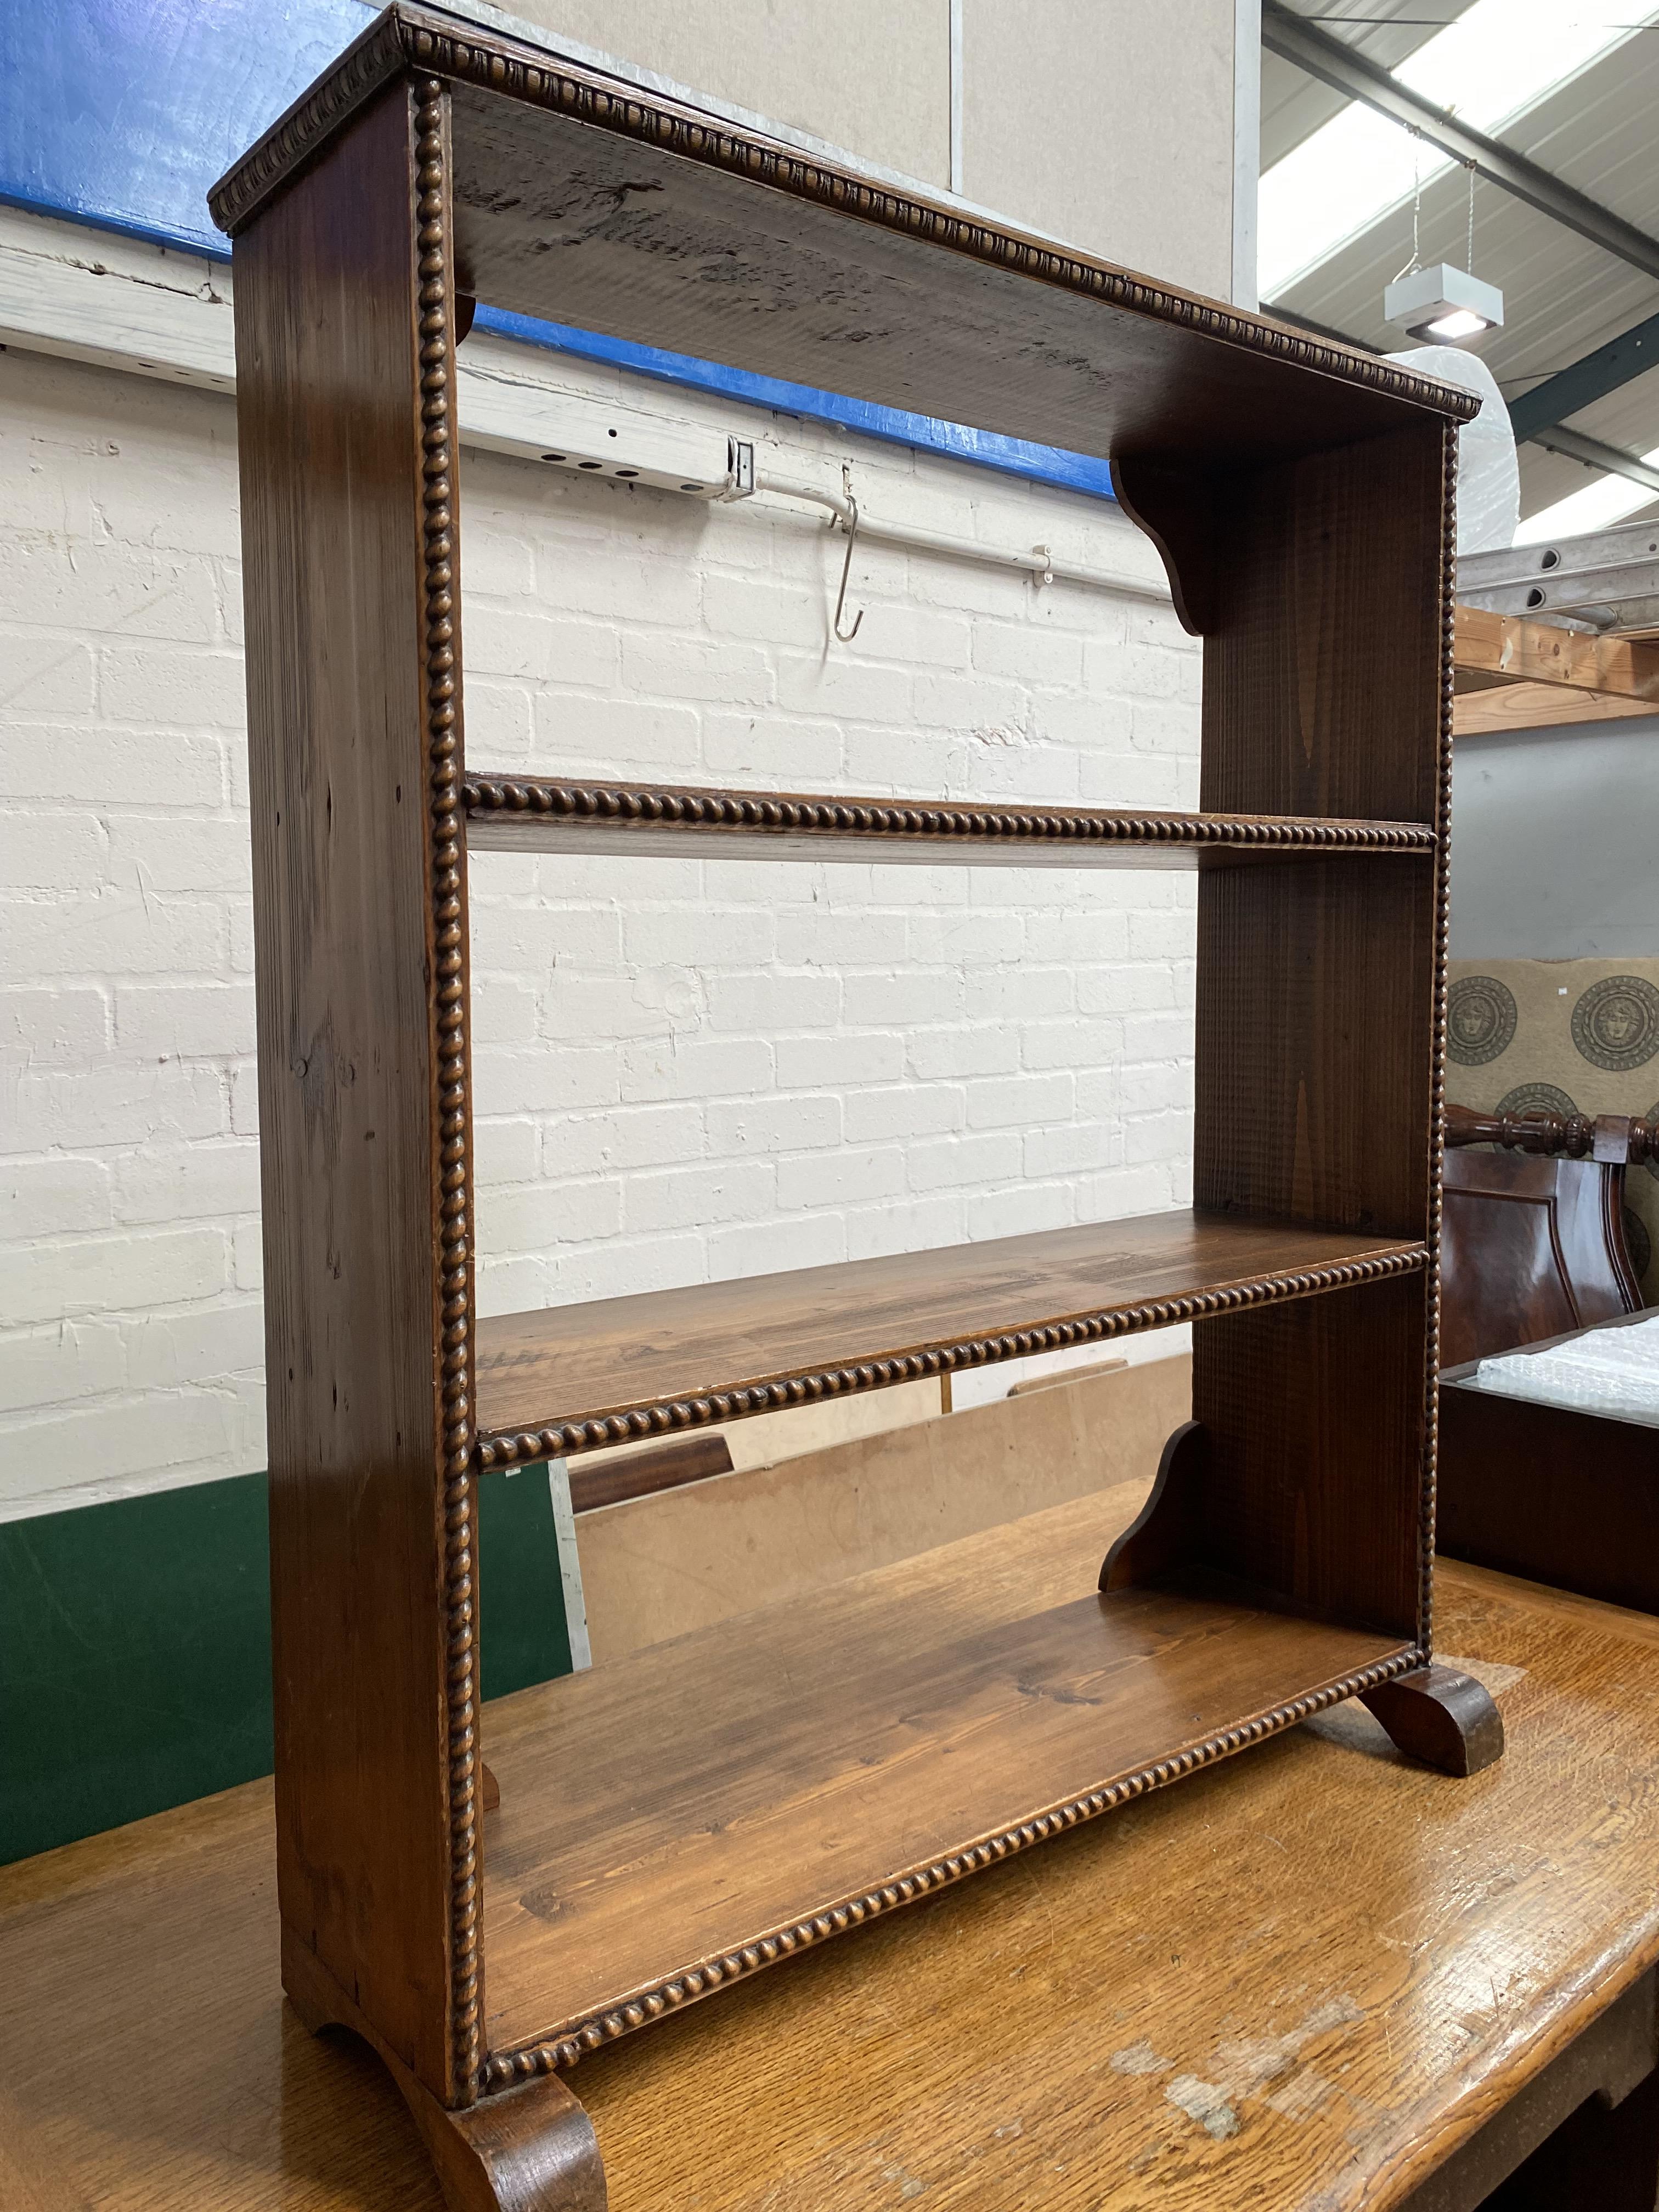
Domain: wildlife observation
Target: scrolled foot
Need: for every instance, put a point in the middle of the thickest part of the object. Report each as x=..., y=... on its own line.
x=527, y=2150
x=1445, y=1719
x=531, y=2149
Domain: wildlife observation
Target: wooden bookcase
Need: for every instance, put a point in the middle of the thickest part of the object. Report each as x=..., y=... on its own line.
x=670, y=1825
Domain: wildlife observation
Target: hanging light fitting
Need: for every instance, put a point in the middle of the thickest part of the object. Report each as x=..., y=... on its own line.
x=1442, y=303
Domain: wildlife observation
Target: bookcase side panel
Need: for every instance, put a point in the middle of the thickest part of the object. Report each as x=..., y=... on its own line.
x=337, y=555
x=1321, y=649
x=1313, y=1043
x=1314, y=1414
x=1319, y=1011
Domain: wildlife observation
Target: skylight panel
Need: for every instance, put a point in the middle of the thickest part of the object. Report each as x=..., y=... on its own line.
x=1596, y=506
x=1499, y=58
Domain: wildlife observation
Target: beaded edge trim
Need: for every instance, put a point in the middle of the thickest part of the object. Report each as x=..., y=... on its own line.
x=405, y=37
x=374, y=57
x=562, y=2049
x=439, y=560
x=1429, y=1503
x=489, y=797
x=654, y=1417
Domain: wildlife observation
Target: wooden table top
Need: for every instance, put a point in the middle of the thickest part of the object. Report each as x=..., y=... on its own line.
x=1295, y=1980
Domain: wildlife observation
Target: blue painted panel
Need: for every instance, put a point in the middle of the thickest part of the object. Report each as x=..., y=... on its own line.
x=1014, y=456
x=123, y=112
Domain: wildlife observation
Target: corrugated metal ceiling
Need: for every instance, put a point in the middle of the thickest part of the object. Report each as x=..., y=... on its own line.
x=1562, y=295
x=1294, y=105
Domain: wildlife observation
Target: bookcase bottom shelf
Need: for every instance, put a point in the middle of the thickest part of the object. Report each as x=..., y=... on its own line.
x=690, y=1813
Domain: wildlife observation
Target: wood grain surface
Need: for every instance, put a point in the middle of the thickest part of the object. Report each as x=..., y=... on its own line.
x=1295, y=1984
x=553, y=1373
x=332, y=501
x=1537, y=706
x=649, y=1470
x=1313, y=1476
x=1507, y=649
x=1316, y=1070
x=641, y=218
x=557, y=219
x=664, y=1816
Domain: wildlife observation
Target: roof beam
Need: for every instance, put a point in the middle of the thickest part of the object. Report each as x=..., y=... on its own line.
x=1294, y=39
x=1597, y=454
x=1583, y=382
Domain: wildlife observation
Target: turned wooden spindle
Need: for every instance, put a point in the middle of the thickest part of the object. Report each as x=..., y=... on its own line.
x=1611, y=1137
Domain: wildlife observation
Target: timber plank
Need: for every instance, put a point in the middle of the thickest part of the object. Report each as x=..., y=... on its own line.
x=547, y=1381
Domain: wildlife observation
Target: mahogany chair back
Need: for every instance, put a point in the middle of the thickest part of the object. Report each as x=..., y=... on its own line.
x=1533, y=1246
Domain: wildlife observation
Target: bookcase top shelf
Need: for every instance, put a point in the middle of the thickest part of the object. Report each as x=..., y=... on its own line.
x=685, y=1816
x=570, y=1378
x=538, y=814
x=591, y=200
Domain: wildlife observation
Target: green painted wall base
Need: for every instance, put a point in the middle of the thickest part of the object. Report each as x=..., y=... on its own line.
x=135, y=1646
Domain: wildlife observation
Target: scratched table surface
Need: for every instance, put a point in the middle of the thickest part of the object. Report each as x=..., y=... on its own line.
x=1299, y=1979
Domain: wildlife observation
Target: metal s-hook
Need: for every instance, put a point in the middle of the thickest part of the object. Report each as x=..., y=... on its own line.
x=847, y=636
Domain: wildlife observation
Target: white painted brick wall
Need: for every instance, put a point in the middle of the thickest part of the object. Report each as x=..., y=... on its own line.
x=684, y=1069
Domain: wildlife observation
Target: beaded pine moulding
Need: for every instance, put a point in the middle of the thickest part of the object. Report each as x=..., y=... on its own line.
x=539, y=814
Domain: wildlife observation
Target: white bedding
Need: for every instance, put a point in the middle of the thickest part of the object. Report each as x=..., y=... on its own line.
x=1612, y=1370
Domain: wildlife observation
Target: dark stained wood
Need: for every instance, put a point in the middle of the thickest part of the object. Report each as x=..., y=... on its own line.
x=1322, y=694
x=1614, y=1138
x=707, y=1806
x=573, y=1376
x=1435, y=1714
x=1441, y=1716
x=1301, y=495
x=1315, y=993
x=1323, y=664
x=540, y=814
x=1314, y=1956
x=1327, y=676
x=331, y=527
x=1367, y=1962
x=587, y=203
x=1313, y=1475
x=531, y=2150
x=1562, y=1496
x=1532, y=1248
x=1178, y=508
x=645, y=1473
x=1168, y=1531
